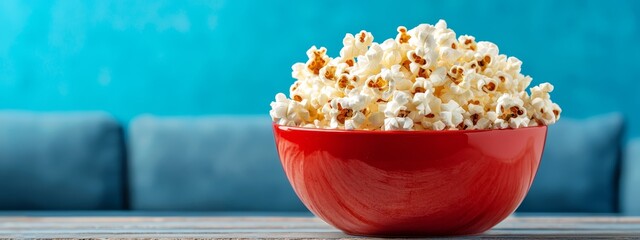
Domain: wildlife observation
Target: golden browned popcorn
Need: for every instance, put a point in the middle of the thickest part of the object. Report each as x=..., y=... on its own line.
x=425, y=78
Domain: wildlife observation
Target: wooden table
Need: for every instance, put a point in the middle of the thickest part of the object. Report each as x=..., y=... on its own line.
x=285, y=227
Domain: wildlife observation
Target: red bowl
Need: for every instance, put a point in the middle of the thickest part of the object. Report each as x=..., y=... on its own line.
x=411, y=183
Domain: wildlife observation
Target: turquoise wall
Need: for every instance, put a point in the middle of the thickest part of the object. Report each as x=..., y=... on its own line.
x=231, y=57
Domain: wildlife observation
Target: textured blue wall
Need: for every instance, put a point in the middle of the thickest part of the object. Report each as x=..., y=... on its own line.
x=231, y=57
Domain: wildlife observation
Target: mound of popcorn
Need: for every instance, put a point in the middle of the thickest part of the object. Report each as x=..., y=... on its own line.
x=424, y=79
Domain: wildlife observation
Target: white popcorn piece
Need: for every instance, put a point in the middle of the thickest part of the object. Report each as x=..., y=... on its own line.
x=397, y=104
x=488, y=85
x=500, y=124
x=355, y=122
x=347, y=108
x=438, y=76
x=486, y=49
x=476, y=117
x=392, y=53
x=451, y=114
x=375, y=121
x=449, y=55
x=441, y=25
x=425, y=78
x=279, y=107
x=397, y=123
x=354, y=46
x=426, y=103
x=541, y=91
x=355, y=102
x=511, y=109
x=439, y=125
x=396, y=112
x=544, y=111
x=328, y=73
x=349, y=50
x=364, y=40
x=513, y=66
x=483, y=123
x=369, y=64
x=424, y=57
x=468, y=42
x=288, y=112
x=317, y=59
x=506, y=102
x=446, y=39
x=518, y=122
x=378, y=87
x=396, y=78
x=422, y=36
x=300, y=71
x=557, y=111
x=522, y=82
x=505, y=81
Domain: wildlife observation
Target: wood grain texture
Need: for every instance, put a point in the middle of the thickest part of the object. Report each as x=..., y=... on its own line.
x=288, y=227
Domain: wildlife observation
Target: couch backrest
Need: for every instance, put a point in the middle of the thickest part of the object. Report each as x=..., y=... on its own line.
x=77, y=161
x=579, y=171
x=61, y=161
x=630, y=181
x=207, y=163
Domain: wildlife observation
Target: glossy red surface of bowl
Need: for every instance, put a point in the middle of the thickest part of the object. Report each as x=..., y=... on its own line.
x=411, y=183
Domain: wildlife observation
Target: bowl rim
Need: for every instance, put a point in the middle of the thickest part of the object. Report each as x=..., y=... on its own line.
x=392, y=132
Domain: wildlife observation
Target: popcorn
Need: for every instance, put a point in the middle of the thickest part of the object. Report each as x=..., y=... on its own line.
x=355, y=46
x=438, y=76
x=468, y=42
x=451, y=114
x=347, y=112
x=317, y=59
x=422, y=36
x=513, y=66
x=397, y=123
x=397, y=107
x=370, y=63
x=511, y=111
x=544, y=111
x=392, y=53
x=425, y=78
x=396, y=78
x=424, y=99
x=288, y=112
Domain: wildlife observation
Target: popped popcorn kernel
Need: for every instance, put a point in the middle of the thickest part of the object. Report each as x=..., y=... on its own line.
x=329, y=72
x=426, y=78
x=317, y=59
x=402, y=37
x=469, y=42
x=343, y=82
x=344, y=114
x=349, y=62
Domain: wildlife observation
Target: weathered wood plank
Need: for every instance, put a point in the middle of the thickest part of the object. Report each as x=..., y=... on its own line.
x=287, y=227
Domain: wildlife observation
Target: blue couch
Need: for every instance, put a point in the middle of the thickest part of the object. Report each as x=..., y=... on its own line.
x=61, y=161
x=86, y=161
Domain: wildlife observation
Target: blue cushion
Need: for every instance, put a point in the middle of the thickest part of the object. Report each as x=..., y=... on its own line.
x=57, y=161
x=579, y=171
x=207, y=163
x=630, y=179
